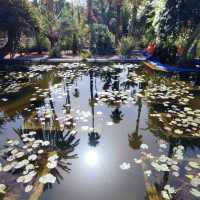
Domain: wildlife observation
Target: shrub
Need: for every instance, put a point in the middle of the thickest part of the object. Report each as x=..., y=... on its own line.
x=102, y=40
x=126, y=45
x=85, y=54
x=55, y=52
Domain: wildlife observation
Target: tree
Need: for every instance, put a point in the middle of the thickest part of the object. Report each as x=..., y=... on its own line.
x=17, y=17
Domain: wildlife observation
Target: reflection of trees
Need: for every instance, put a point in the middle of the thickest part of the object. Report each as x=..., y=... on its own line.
x=107, y=79
x=61, y=142
x=93, y=135
x=117, y=115
x=135, y=140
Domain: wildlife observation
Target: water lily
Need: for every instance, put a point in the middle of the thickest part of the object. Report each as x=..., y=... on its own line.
x=195, y=192
x=28, y=188
x=2, y=188
x=144, y=146
x=125, y=166
x=48, y=178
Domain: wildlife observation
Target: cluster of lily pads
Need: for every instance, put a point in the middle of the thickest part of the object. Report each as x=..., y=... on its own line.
x=183, y=173
x=28, y=160
x=176, y=113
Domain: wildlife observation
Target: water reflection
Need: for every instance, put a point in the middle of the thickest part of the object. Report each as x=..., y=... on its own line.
x=117, y=115
x=117, y=93
x=92, y=158
x=135, y=139
x=94, y=136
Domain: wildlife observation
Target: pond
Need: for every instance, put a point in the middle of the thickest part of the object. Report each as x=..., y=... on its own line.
x=105, y=132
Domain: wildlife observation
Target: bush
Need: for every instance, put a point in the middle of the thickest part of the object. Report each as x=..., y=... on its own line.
x=126, y=45
x=85, y=54
x=36, y=44
x=55, y=52
x=166, y=53
x=102, y=40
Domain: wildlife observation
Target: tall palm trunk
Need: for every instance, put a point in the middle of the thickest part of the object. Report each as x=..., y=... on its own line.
x=119, y=4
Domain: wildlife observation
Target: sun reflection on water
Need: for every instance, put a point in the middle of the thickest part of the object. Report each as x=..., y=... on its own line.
x=91, y=158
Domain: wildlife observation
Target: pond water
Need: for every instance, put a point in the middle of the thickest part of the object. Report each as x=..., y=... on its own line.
x=84, y=132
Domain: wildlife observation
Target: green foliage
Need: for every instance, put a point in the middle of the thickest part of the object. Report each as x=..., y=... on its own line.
x=17, y=17
x=55, y=52
x=102, y=40
x=85, y=55
x=126, y=45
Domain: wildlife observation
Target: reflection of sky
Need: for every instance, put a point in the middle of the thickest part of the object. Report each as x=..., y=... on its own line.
x=96, y=174
x=91, y=158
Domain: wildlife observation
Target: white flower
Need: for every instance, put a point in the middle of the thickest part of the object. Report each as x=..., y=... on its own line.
x=48, y=178
x=148, y=173
x=125, y=166
x=45, y=143
x=2, y=188
x=28, y=188
x=165, y=195
x=170, y=189
x=41, y=151
x=144, y=146
x=32, y=157
x=137, y=161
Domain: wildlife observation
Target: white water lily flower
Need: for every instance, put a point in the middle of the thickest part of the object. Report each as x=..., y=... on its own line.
x=53, y=158
x=160, y=167
x=176, y=174
x=163, y=158
x=125, y=166
x=45, y=143
x=20, y=179
x=148, y=173
x=137, y=161
x=52, y=165
x=48, y=178
x=170, y=189
x=175, y=167
x=165, y=195
x=178, y=131
x=144, y=146
x=32, y=157
x=195, y=192
x=2, y=188
x=28, y=188
x=163, y=146
x=41, y=151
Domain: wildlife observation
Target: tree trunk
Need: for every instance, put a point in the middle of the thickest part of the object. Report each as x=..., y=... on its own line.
x=119, y=22
x=8, y=47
